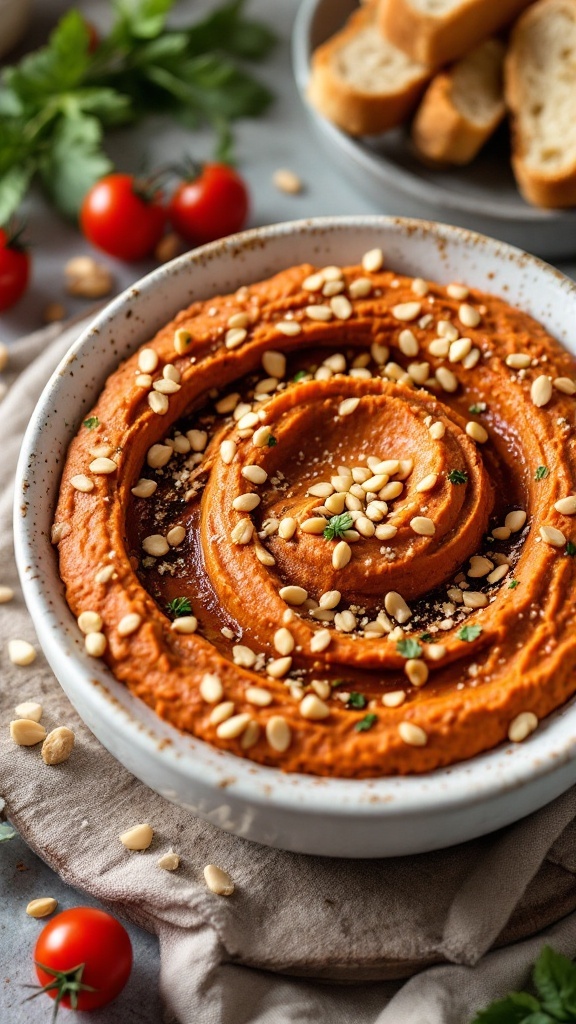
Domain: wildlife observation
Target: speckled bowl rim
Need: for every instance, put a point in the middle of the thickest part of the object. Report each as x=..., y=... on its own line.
x=468, y=783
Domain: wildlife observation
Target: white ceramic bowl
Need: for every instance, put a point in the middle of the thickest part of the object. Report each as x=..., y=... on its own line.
x=348, y=818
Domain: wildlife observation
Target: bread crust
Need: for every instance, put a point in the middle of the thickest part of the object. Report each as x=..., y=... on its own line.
x=555, y=189
x=353, y=109
x=439, y=40
x=441, y=132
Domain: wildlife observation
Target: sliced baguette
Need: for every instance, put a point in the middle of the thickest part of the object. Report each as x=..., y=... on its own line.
x=462, y=106
x=436, y=32
x=360, y=81
x=540, y=86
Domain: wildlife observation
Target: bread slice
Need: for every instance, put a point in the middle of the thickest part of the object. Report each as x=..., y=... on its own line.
x=540, y=77
x=360, y=81
x=436, y=32
x=462, y=106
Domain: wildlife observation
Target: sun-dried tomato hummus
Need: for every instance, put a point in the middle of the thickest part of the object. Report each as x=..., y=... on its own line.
x=327, y=522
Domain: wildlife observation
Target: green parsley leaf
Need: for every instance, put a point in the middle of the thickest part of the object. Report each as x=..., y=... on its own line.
x=74, y=162
x=513, y=584
x=339, y=682
x=271, y=440
x=458, y=476
x=338, y=525
x=555, y=981
x=469, y=633
x=541, y=473
x=179, y=606
x=517, y=1008
x=409, y=648
x=142, y=19
x=570, y=548
x=366, y=723
x=300, y=375
x=91, y=422
x=357, y=700
x=426, y=637
x=477, y=408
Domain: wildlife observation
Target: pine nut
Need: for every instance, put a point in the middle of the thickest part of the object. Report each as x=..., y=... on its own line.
x=89, y=622
x=166, y=387
x=218, y=881
x=58, y=745
x=316, y=525
x=103, y=467
x=181, y=341
x=479, y=566
x=521, y=726
x=169, y=861
x=158, y=403
x=95, y=644
x=518, y=361
x=6, y=594
x=274, y=363
x=439, y=347
x=364, y=526
x=407, y=343
x=392, y=490
x=232, y=727
x=250, y=736
x=144, y=488
x=565, y=384
x=447, y=330
x=468, y=316
x=211, y=689
x=82, y=483
x=514, y=521
x=259, y=696
x=406, y=311
x=228, y=451
x=541, y=391
x=21, y=652
x=239, y=320
x=341, y=307
x=385, y=531
x=287, y=181
x=159, y=455
x=278, y=733
x=435, y=652
x=243, y=532
x=396, y=606
x=437, y=430
x=27, y=733
x=234, y=337
x=129, y=624
x=417, y=671
x=360, y=288
x=412, y=734
x=330, y=599
x=550, y=535
x=283, y=641
x=498, y=574
x=312, y=708
x=566, y=506
x=446, y=379
x=457, y=291
x=30, y=710
x=137, y=838
x=474, y=599
x=320, y=641
x=279, y=667
x=287, y=528
x=319, y=313
x=293, y=595
x=255, y=474
x=341, y=555
x=175, y=536
x=373, y=261
x=428, y=483
x=186, y=624
x=246, y=502
x=393, y=699
x=348, y=406
x=156, y=545
x=477, y=432
x=290, y=328
x=423, y=526
x=459, y=349
x=220, y=712
x=243, y=656
x=345, y=621
x=198, y=439
x=41, y=907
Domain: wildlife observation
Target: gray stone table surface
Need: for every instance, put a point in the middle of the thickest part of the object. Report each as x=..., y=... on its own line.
x=283, y=138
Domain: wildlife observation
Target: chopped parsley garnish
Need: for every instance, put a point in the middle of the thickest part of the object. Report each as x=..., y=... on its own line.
x=469, y=633
x=409, y=648
x=179, y=606
x=477, y=408
x=338, y=525
x=357, y=700
x=272, y=440
x=339, y=682
x=426, y=637
x=299, y=375
x=366, y=723
x=570, y=548
x=91, y=422
x=541, y=473
x=513, y=584
x=458, y=476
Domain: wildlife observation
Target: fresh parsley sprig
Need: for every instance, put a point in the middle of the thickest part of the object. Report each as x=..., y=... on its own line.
x=337, y=526
x=554, y=979
x=57, y=103
x=179, y=606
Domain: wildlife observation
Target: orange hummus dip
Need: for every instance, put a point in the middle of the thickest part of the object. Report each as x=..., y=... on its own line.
x=327, y=522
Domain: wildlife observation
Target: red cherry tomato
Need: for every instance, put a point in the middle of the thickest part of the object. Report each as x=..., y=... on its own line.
x=14, y=270
x=123, y=216
x=83, y=947
x=212, y=205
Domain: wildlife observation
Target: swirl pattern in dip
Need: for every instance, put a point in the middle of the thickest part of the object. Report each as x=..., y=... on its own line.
x=326, y=522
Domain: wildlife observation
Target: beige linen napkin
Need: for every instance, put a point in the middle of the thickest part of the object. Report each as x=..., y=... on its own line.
x=297, y=927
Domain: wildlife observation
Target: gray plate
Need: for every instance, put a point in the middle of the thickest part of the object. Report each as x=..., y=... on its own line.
x=385, y=169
